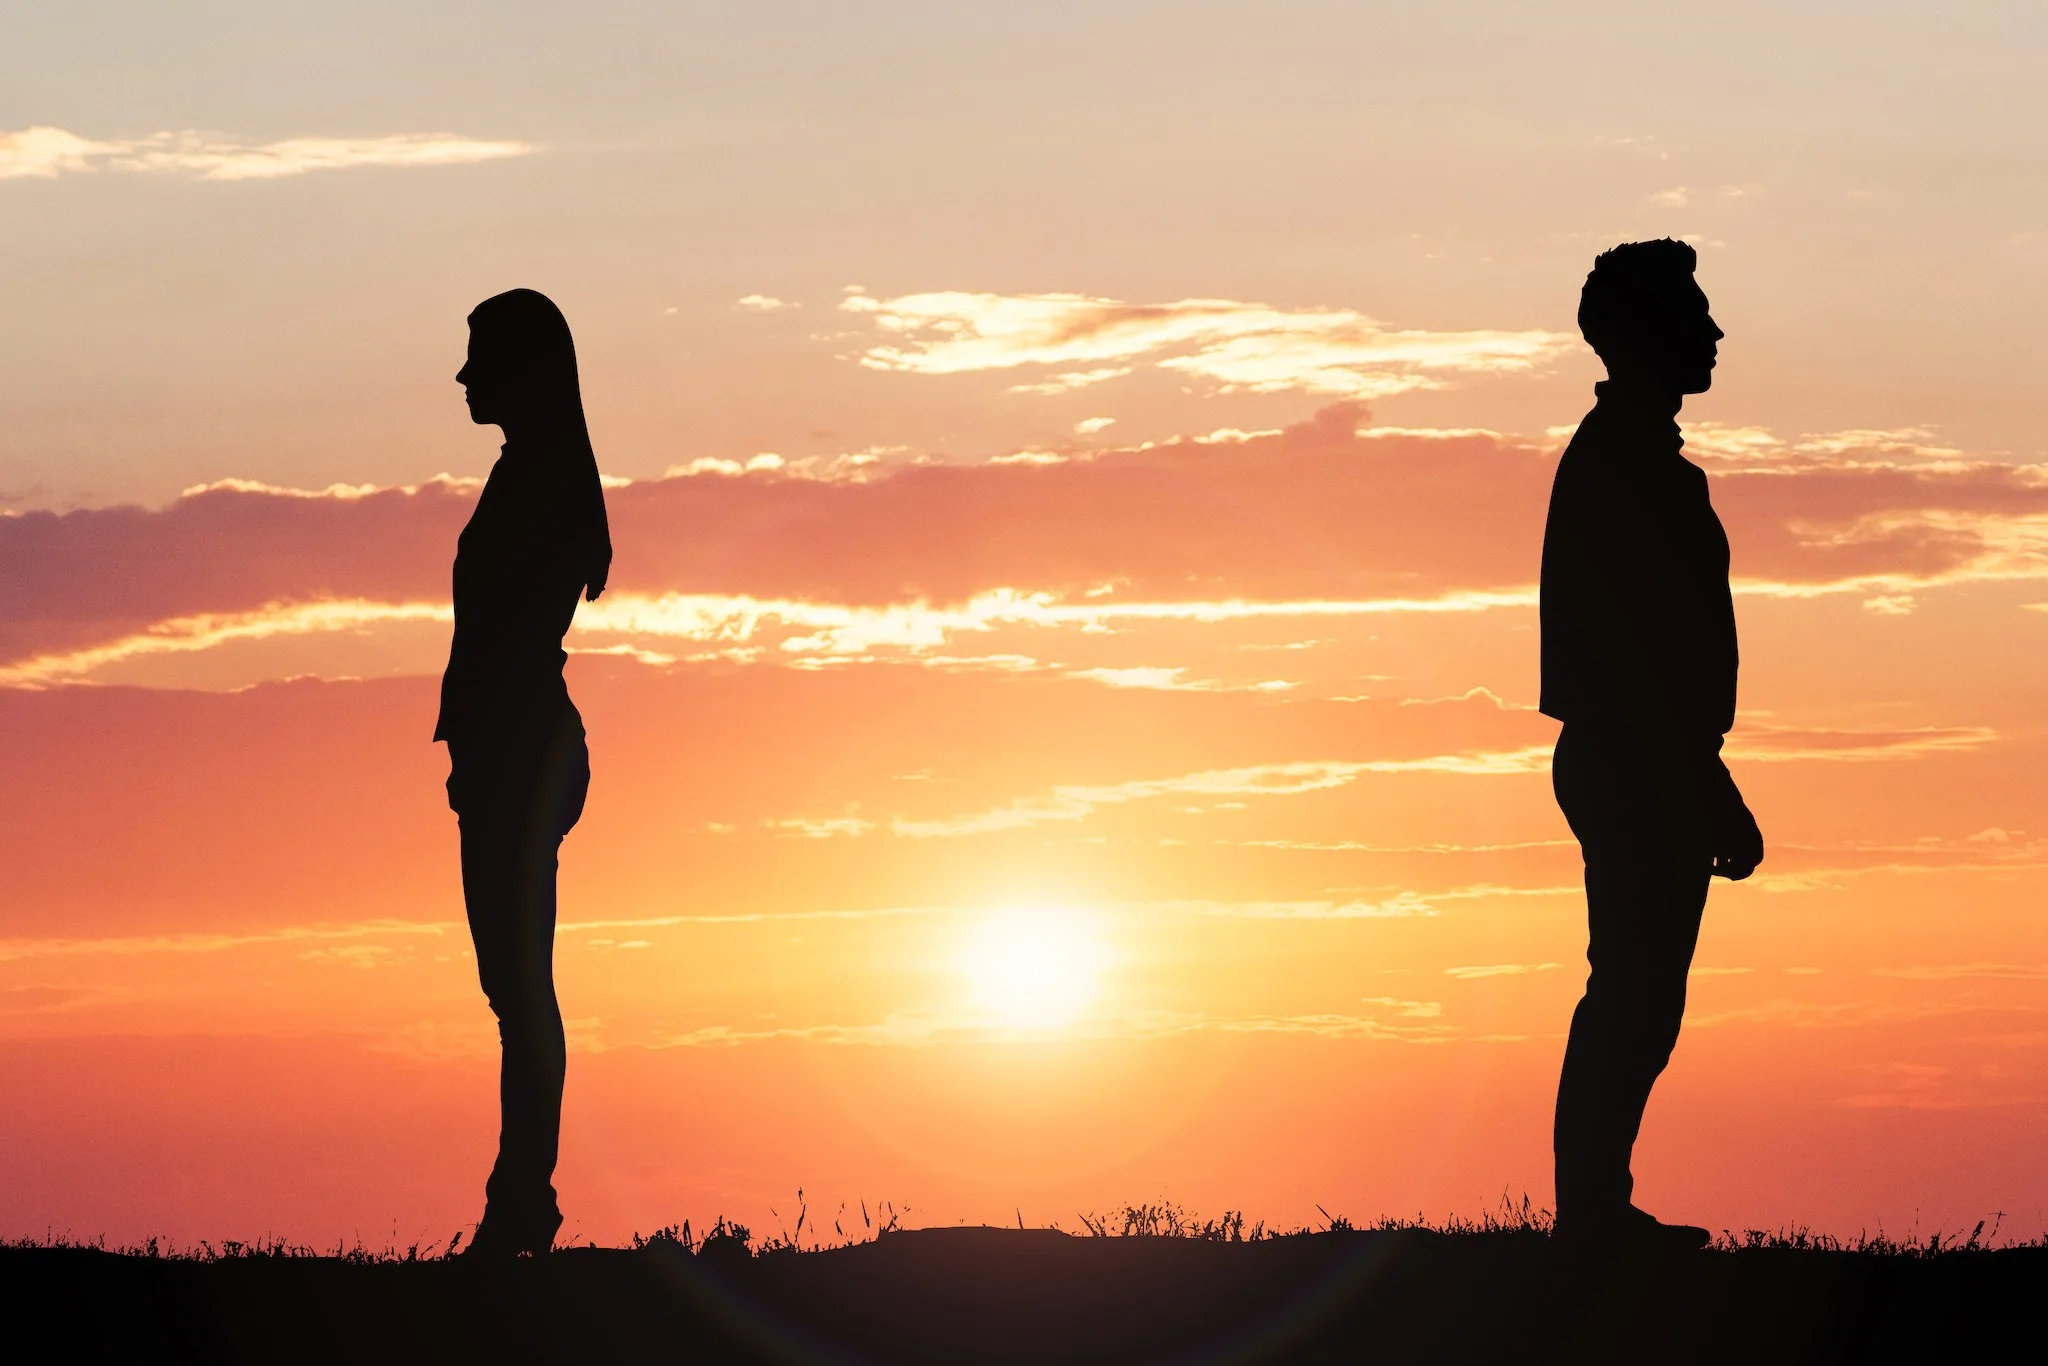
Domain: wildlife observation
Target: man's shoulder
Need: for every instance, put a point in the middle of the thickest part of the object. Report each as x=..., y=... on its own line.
x=1586, y=456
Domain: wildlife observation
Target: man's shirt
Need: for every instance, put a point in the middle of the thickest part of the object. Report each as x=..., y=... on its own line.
x=1638, y=624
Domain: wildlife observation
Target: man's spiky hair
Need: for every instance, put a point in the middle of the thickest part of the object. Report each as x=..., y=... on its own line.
x=1630, y=290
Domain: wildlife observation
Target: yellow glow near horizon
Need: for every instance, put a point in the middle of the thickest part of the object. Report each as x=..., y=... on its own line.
x=1034, y=967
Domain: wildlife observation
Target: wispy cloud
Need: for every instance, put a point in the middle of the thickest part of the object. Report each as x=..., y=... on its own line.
x=2017, y=972
x=1400, y=906
x=1736, y=444
x=1074, y=803
x=16, y=950
x=1757, y=743
x=1161, y=678
x=45, y=152
x=903, y=559
x=1071, y=379
x=208, y=630
x=1473, y=973
x=738, y=626
x=1365, y=847
x=836, y=629
x=1403, y=1022
x=823, y=827
x=1835, y=1014
x=1235, y=345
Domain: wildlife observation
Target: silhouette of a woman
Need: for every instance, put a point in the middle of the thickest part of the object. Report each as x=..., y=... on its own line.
x=518, y=765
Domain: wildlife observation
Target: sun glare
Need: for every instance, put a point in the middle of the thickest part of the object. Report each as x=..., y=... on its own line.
x=1034, y=967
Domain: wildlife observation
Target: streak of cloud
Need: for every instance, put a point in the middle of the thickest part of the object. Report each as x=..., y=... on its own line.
x=209, y=630
x=43, y=153
x=1234, y=345
x=1788, y=744
x=1077, y=802
x=1324, y=519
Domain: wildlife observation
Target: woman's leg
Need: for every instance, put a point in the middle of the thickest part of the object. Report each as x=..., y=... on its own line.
x=509, y=885
x=509, y=860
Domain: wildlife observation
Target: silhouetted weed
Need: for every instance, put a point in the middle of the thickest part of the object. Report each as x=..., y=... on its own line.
x=727, y=1238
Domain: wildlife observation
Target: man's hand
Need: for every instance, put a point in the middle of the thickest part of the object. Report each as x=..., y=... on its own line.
x=1738, y=845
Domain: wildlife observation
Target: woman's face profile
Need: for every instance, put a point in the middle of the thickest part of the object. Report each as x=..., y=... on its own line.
x=483, y=380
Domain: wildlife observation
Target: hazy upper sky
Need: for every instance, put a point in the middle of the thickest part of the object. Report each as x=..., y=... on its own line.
x=1866, y=182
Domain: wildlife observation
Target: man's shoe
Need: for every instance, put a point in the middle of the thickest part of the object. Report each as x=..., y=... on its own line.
x=1651, y=1234
x=1633, y=1232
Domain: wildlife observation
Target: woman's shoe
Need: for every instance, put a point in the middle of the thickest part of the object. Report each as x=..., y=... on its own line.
x=501, y=1238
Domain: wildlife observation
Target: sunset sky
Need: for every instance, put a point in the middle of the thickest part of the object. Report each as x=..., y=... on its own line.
x=1063, y=717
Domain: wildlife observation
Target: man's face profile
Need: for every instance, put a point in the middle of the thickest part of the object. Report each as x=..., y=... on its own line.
x=1692, y=343
x=1672, y=338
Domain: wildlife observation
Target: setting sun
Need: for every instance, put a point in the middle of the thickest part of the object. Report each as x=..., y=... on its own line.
x=1034, y=968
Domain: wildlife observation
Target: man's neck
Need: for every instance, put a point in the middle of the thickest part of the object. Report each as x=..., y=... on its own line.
x=1639, y=394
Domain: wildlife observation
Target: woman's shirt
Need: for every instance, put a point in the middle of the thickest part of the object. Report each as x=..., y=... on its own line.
x=520, y=565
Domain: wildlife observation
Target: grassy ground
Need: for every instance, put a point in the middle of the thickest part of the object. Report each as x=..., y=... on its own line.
x=1147, y=1283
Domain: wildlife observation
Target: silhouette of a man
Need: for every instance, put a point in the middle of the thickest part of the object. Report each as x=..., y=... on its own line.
x=1639, y=663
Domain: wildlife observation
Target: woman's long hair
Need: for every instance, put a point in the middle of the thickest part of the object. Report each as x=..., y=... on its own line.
x=523, y=331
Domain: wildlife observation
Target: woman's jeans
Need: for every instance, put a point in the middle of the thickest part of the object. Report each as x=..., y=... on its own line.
x=1640, y=814
x=516, y=799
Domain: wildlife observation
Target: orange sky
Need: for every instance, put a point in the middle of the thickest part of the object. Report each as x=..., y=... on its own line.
x=1063, y=715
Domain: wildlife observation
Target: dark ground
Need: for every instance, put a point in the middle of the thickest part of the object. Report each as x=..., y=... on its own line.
x=1009, y=1295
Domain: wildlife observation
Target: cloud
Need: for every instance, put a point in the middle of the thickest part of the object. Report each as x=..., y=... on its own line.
x=1469, y=974
x=2017, y=972
x=834, y=560
x=206, y=631
x=44, y=153
x=1834, y=1014
x=1761, y=743
x=1234, y=345
x=17, y=950
x=1074, y=803
x=41, y=153
x=920, y=1028
x=824, y=827
x=764, y=462
x=1070, y=380
x=821, y=632
x=1364, y=847
x=760, y=303
x=1168, y=679
x=1400, y=906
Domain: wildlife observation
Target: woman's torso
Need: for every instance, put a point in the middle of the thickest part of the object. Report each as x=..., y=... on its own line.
x=520, y=567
